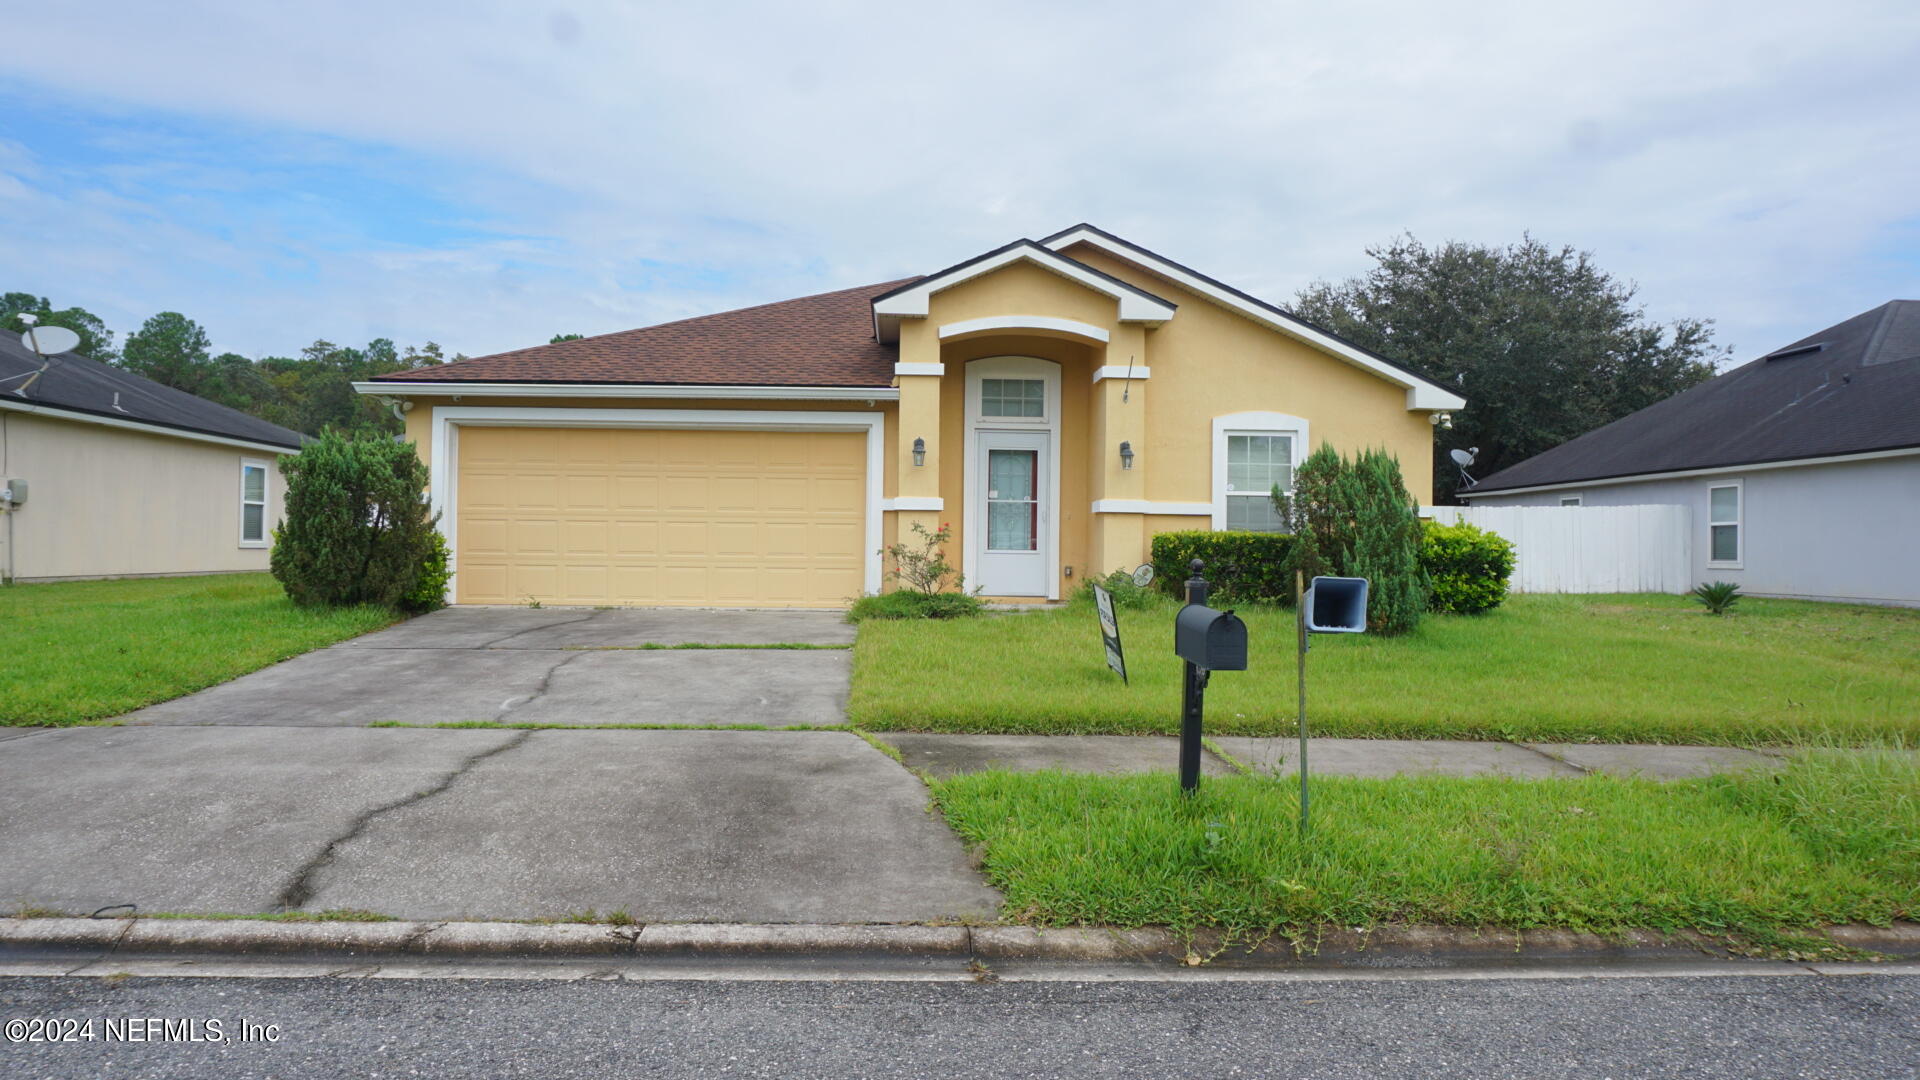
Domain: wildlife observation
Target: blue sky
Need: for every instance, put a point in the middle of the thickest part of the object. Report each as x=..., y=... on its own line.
x=486, y=174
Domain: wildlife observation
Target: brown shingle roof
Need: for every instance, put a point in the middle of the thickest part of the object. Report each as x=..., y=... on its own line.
x=823, y=340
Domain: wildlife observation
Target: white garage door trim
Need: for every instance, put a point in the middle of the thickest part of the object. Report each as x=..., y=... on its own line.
x=449, y=419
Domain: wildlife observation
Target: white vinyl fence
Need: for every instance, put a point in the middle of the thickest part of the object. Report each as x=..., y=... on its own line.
x=1589, y=549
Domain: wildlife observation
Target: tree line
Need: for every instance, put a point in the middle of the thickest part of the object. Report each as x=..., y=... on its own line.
x=309, y=392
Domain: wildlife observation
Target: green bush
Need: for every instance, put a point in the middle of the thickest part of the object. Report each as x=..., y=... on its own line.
x=357, y=529
x=1120, y=585
x=1243, y=567
x=1468, y=567
x=429, y=592
x=1352, y=517
x=908, y=604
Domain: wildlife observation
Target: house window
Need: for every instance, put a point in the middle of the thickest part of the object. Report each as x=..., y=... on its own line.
x=253, y=504
x=1256, y=464
x=1025, y=398
x=1723, y=525
x=1570, y=500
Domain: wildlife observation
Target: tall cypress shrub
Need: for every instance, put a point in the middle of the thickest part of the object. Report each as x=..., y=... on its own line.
x=1352, y=517
x=1385, y=546
x=357, y=528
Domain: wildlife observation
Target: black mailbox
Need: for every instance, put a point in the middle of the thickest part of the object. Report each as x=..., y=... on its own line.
x=1214, y=640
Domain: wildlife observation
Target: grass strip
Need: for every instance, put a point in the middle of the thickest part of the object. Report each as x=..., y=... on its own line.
x=800, y=646
x=490, y=725
x=88, y=650
x=1834, y=838
x=1622, y=668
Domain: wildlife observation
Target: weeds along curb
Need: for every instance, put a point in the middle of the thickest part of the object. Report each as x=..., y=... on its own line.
x=1343, y=947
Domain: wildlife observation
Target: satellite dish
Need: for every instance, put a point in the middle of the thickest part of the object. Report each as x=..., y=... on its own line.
x=51, y=340
x=1463, y=458
x=1143, y=575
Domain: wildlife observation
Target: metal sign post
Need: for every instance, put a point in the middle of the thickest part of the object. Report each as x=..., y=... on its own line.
x=1300, y=624
x=1110, y=631
x=1333, y=605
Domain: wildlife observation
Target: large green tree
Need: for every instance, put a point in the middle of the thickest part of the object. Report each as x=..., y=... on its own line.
x=1543, y=344
x=172, y=350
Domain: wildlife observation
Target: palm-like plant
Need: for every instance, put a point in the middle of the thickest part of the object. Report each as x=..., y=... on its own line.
x=1717, y=596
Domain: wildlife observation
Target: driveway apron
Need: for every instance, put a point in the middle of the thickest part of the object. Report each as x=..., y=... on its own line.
x=272, y=793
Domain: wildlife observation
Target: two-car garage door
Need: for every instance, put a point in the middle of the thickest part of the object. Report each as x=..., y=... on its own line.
x=621, y=516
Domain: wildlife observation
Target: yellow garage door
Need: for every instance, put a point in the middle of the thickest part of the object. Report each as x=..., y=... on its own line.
x=695, y=518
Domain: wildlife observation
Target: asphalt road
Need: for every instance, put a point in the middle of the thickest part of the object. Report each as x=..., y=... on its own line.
x=1773, y=1027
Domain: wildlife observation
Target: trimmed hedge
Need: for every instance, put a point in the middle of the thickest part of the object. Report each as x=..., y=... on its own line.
x=1468, y=566
x=1243, y=567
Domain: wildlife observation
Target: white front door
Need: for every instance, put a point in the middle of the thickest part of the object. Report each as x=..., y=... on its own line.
x=1010, y=551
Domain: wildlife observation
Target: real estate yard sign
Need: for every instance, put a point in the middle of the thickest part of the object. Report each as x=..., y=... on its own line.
x=1110, y=631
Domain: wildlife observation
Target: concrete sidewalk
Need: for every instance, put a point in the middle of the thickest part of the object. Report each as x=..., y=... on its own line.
x=949, y=755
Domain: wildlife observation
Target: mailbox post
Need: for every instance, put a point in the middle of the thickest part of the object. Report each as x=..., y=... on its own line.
x=1208, y=641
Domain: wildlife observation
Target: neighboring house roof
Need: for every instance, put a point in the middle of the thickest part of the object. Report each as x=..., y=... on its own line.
x=847, y=338
x=823, y=340
x=90, y=389
x=1852, y=388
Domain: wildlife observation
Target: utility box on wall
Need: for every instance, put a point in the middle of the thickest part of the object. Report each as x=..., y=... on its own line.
x=13, y=491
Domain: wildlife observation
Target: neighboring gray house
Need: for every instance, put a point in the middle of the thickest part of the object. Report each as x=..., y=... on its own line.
x=1802, y=468
x=106, y=474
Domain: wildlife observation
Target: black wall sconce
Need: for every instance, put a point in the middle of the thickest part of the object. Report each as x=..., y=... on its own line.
x=1126, y=454
x=919, y=452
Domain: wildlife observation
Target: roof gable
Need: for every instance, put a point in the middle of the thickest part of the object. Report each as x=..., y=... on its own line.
x=911, y=300
x=1852, y=388
x=1422, y=393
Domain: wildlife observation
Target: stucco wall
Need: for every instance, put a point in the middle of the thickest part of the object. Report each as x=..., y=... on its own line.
x=106, y=502
x=1208, y=361
x=1842, y=532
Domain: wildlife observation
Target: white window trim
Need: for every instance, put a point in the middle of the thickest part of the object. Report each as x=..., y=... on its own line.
x=1739, y=524
x=449, y=419
x=1250, y=423
x=266, y=500
x=1011, y=367
x=1571, y=500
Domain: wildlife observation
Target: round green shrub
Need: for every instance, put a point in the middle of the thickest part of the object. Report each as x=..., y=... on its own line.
x=357, y=529
x=1468, y=566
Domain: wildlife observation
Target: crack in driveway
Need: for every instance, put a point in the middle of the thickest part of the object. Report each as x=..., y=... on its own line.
x=535, y=629
x=300, y=888
x=539, y=689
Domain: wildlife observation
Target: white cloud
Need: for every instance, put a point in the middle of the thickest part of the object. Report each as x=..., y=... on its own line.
x=1750, y=161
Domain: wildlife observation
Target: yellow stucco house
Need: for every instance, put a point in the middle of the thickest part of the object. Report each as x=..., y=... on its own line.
x=1055, y=402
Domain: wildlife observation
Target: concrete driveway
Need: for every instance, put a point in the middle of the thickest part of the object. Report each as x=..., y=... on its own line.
x=550, y=666
x=269, y=793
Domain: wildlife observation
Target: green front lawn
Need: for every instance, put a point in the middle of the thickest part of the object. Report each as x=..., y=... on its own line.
x=86, y=650
x=1834, y=838
x=1632, y=668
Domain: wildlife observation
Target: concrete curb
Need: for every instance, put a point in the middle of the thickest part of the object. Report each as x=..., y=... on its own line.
x=1384, y=947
